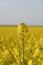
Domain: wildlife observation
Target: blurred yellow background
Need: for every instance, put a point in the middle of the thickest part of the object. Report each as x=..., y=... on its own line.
x=21, y=45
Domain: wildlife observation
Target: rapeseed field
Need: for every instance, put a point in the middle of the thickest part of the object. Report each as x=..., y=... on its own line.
x=21, y=45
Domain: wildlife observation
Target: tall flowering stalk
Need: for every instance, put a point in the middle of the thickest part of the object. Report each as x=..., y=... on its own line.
x=22, y=29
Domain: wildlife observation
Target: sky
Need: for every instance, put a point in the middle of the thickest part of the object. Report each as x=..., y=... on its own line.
x=13, y=12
